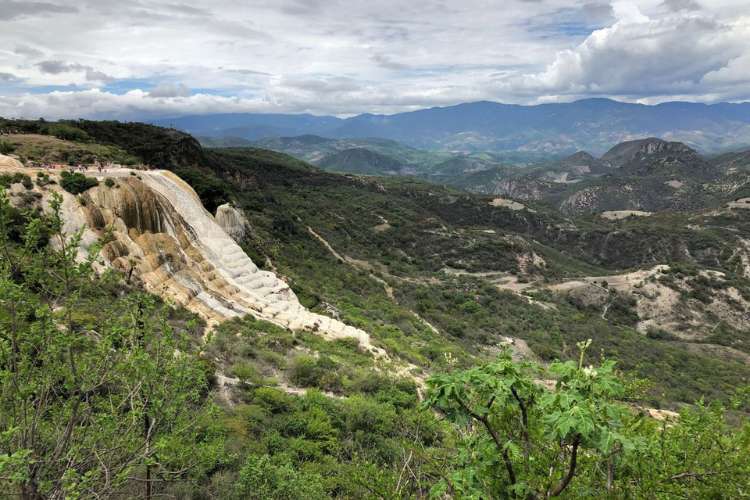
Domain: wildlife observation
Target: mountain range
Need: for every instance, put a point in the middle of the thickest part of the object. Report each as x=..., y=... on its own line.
x=545, y=129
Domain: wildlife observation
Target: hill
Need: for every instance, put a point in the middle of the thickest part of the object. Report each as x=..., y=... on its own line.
x=646, y=174
x=400, y=239
x=360, y=160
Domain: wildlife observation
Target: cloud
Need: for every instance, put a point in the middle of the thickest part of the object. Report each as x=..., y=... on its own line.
x=8, y=78
x=93, y=75
x=336, y=57
x=26, y=51
x=386, y=62
x=169, y=90
x=678, y=5
x=61, y=67
x=642, y=56
x=95, y=103
x=57, y=67
x=10, y=9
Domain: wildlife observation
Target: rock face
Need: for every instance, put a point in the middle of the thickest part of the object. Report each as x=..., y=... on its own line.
x=162, y=236
x=232, y=221
x=9, y=162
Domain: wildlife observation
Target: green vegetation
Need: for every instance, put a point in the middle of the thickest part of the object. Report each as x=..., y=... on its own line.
x=66, y=132
x=430, y=228
x=6, y=147
x=76, y=182
x=212, y=190
x=93, y=402
x=258, y=411
x=580, y=439
x=17, y=177
x=50, y=149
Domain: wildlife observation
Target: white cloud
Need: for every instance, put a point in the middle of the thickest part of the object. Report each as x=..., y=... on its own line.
x=683, y=53
x=169, y=90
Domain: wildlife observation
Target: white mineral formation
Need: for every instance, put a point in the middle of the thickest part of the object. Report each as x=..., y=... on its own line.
x=9, y=162
x=232, y=221
x=163, y=236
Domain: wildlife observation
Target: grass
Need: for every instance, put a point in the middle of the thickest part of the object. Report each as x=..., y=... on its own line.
x=50, y=149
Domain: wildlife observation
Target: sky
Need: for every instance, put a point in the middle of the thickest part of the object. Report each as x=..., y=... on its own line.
x=141, y=59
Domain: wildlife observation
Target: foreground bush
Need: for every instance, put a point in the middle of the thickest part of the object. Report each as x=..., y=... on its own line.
x=76, y=182
x=580, y=439
x=94, y=402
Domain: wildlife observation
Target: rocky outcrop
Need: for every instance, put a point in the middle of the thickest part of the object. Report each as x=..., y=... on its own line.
x=232, y=221
x=9, y=162
x=630, y=151
x=157, y=232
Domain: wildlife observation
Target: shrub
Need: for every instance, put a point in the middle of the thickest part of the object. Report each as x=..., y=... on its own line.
x=7, y=179
x=306, y=371
x=659, y=334
x=247, y=373
x=211, y=190
x=6, y=148
x=76, y=183
x=109, y=182
x=42, y=179
x=303, y=371
x=262, y=479
x=67, y=132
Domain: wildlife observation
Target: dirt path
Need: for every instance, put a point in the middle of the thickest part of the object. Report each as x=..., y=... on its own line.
x=361, y=265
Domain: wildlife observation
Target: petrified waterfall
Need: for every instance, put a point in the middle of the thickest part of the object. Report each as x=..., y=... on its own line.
x=164, y=236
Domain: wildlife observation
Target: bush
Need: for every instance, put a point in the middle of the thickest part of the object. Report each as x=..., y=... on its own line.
x=6, y=148
x=306, y=371
x=42, y=179
x=211, y=190
x=262, y=479
x=109, y=182
x=67, y=132
x=659, y=334
x=7, y=179
x=76, y=183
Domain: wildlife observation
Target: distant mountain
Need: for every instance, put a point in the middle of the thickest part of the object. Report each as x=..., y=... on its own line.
x=362, y=161
x=313, y=148
x=353, y=156
x=733, y=162
x=583, y=162
x=649, y=156
x=225, y=142
x=545, y=129
x=250, y=126
x=644, y=175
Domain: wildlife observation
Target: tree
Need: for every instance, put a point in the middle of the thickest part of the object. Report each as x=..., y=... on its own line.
x=519, y=438
x=522, y=440
x=99, y=394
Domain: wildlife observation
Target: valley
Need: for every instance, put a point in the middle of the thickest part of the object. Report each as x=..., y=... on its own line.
x=454, y=271
x=433, y=250
x=303, y=288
